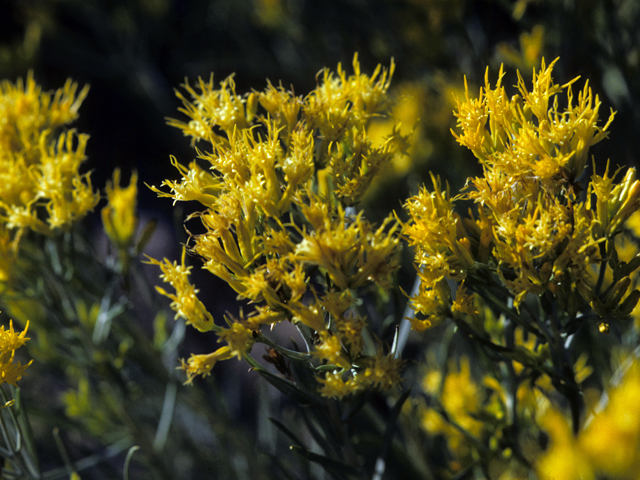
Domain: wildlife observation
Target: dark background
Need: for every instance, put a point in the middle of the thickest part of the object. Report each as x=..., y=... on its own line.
x=134, y=53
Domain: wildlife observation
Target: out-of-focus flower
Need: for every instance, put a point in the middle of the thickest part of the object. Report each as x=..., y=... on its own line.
x=407, y=114
x=457, y=416
x=119, y=215
x=608, y=445
x=565, y=458
x=530, y=52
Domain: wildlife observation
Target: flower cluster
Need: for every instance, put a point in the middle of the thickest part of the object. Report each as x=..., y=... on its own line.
x=41, y=188
x=279, y=183
x=534, y=227
x=537, y=271
x=119, y=215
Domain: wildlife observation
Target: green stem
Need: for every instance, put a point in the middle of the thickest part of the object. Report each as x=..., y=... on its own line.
x=292, y=354
x=603, y=268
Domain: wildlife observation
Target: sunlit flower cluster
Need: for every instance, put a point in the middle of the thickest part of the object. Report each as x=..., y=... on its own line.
x=534, y=227
x=545, y=259
x=41, y=188
x=279, y=177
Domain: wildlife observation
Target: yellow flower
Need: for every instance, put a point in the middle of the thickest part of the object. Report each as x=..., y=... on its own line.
x=283, y=106
x=197, y=184
x=212, y=110
x=310, y=315
x=461, y=401
x=564, y=458
x=29, y=111
x=41, y=188
x=464, y=302
x=203, y=364
x=356, y=161
x=608, y=444
x=406, y=115
x=556, y=143
x=184, y=302
x=381, y=372
x=278, y=179
x=350, y=329
x=531, y=229
x=11, y=372
x=350, y=252
x=611, y=439
x=434, y=230
x=335, y=386
x=330, y=350
x=531, y=48
x=338, y=104
x=432, y=302
x=119, y=215
x=615, y=203
x=239, y=339
x=374, y=372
